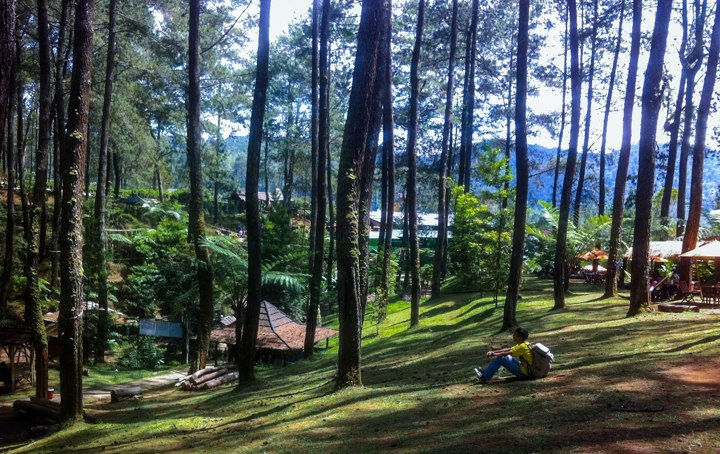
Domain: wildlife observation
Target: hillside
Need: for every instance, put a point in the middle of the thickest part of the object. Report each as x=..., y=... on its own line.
x=642, y=384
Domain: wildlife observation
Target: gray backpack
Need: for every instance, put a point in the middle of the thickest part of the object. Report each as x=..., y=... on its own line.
x=542, y=361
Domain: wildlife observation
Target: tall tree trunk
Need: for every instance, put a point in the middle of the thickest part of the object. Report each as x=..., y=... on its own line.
x=412, y=169
x=357, y=133
x=100, y=196
x=618, y=210
x=8, y=76
x=331, y=221
x=252, y=315
x=117, y=170
x=314, y=131
x=34, y=293
x=674, y=128
x=608, y=105
x=440, y=250
x=71, y=233
x=60, y=71
x=566, y=195
x=522, y=165
x=562, y=112
x=196, y=222
x=323, y=148
x=469, y=101
x=691, y=65
x=696, y=190
x=651, y=102
x=388, y=212
x=588, y=116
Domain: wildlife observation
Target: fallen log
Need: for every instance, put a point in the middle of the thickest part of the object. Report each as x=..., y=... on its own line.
x=208, y=377
x=36, y=410
x=116, y=395
x=206, y=370
x=46, y=402
x=227, y=378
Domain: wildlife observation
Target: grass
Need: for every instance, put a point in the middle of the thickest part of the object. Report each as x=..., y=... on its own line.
x=99, y=376
x=641, y=384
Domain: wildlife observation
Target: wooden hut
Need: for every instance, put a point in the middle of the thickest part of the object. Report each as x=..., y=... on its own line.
x=16, y=353
x=280, y=338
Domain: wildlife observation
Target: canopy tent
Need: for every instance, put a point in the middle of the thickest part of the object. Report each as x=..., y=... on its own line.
x=661, y=251
x=707, y=251
x=589, y=269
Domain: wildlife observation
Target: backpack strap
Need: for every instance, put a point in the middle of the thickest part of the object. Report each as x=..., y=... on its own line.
x=529, y=366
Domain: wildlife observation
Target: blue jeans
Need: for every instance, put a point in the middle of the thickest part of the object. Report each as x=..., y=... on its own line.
x=508, y=362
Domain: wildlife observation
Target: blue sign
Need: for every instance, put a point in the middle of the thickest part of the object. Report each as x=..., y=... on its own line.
x=160, y=328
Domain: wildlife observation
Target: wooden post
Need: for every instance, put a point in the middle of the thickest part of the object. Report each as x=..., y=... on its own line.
x=11, y=351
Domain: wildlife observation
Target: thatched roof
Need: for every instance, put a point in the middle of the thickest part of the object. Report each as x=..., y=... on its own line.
x=276, y=331
x=661, y=251
x=596, y=253
x=707, y=251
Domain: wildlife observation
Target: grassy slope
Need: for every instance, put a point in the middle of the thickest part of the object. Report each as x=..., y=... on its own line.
x=619, y=385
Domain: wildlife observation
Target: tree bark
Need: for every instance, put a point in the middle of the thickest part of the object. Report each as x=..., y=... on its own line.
x=100, y=196
x=252, y=314
x=71, y=232
x=388, y=212
x=691, y=66
x=412, y=169
x=357, y=133
x=314, y=132
x=34, y=293
x=562, y=112
x=608, y=105
x=440, y=250
x=7, y=77
x=674, y=128
x=196, y=222
x=60, y=71
x=651, y=102
x=566, y=195
x=611, y=279
x=469, y=101
x=323, y=149
x=588, y=116
x=522, y=166
x=696, y=193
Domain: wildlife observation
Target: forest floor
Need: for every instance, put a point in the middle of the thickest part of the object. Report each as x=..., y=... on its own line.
x=646, y=384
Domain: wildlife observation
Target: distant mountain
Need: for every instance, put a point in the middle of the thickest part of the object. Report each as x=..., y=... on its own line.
x=542, y=174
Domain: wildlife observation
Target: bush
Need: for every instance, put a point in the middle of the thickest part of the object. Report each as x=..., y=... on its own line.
x=141, y=353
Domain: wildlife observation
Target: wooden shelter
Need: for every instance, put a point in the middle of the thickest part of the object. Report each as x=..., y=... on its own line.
x=16, y=348
x=279, y=336
x=661, y=251
x=706, y=251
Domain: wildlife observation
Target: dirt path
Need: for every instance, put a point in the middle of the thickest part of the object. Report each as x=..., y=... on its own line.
x=15, y=429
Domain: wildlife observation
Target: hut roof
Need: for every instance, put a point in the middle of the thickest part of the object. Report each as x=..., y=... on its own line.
x=14, y=335
x=276, y=331
x=661, y=250
x=708, y=251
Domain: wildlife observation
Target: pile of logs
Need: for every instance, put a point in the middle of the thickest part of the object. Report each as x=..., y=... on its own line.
x=208, y=378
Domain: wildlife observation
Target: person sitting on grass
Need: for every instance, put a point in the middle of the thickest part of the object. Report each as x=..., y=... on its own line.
x=515, y=359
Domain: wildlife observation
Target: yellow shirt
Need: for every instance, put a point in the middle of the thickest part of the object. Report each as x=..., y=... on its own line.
x=523, y=353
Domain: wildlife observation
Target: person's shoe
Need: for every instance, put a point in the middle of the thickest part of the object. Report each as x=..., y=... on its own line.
x=480, y=376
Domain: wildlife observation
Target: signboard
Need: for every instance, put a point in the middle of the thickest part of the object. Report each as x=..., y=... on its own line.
x=160, y=328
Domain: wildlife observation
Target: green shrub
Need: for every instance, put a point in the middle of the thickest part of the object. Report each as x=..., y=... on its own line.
x=141, y=353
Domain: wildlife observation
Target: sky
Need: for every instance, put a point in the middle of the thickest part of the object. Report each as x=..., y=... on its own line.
x=284, y=12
